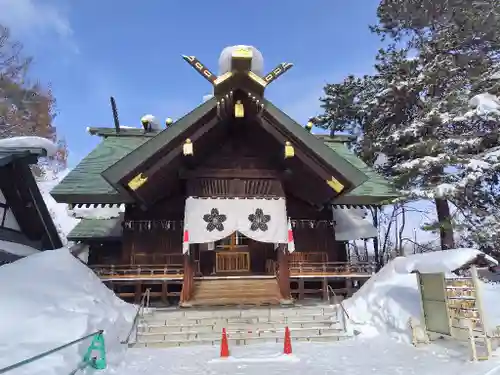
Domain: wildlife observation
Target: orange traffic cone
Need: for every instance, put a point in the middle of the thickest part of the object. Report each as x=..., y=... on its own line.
x=287, y=349
x=224, y=347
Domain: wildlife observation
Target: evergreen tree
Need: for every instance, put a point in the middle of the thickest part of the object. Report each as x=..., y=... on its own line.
x=415, y=109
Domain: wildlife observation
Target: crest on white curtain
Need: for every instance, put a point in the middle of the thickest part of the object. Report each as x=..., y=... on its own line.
x=212, y=219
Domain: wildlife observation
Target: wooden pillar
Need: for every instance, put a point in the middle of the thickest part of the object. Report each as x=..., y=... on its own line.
x=301, y=289
x=349, y=286
x=138, y=292
x=325, y=288
x=164, y=292
x=284, y=272
x=188, y=279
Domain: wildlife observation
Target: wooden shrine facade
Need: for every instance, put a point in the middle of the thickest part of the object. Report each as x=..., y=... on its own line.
x=235, y=146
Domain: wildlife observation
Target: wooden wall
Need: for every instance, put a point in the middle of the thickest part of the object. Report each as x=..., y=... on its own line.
x=319, y=239
x=157, y=246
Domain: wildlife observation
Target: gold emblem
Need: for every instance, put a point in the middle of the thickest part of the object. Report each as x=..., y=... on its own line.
x=242, y=53
x=137, y=181
x=335, y=184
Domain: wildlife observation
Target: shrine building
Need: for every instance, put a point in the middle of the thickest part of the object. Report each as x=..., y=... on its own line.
x=235, y=203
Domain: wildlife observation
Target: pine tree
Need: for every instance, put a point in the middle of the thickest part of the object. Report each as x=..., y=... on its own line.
x=415, y=108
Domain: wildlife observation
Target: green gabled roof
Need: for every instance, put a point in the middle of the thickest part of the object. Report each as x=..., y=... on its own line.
x=375, y=190
x=133, y=160
x=97, y=229
x=355, y=175
x=124, y=132
x=84, y=184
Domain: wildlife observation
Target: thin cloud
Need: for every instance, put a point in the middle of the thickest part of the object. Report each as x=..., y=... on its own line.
x=35, y=18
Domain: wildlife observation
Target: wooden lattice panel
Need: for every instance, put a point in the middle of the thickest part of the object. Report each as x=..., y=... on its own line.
x=232, y=262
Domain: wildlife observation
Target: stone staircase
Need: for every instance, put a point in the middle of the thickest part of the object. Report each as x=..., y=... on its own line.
x=166, y=328
x=236, y=291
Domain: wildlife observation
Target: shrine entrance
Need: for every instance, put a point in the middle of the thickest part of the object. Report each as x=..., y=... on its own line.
x=236, y=255
x=234, y=236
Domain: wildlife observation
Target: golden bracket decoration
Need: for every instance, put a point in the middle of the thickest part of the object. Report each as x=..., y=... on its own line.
x=200, y=68
x=335, y=184
x=241, y=59
x=137, y=182
x=277, y=72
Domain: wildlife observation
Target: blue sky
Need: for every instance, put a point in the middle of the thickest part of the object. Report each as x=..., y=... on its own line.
x=89, y=50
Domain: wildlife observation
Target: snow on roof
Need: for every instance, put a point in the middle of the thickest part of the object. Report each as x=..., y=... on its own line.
x=152, y=121
x=350, y=224
x=441, y=261
x=53, y=299
x=225, y=58
x=29, y=142
x=96, y=212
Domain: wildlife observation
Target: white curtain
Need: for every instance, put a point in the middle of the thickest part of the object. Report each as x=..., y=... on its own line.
x=350, y=224
x=212, y=219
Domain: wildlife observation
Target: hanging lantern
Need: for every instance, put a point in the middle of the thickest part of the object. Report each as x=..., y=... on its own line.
x=168, y=122
x=309, y=126
x=239, y=110
x=187, y=148
x=289, y=150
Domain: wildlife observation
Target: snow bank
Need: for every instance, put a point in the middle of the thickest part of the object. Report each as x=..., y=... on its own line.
x=49, y=299
x=63, y=221
x=385, y=303
x=17, y=248
x=30, y=142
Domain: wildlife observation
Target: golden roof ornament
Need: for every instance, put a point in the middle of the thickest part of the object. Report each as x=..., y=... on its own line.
x=239, y=61
x=243, y=53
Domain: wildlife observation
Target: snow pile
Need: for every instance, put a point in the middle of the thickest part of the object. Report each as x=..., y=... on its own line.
x=58, y=211
x=386, y=301
x=96, y=212
x=151, y=121
x=18, y=249
x=50, y=299
x=29, y=142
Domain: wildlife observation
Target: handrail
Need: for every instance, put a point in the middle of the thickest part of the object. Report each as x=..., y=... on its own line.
x=48, y=352
x=144, y=303
x=330, y=289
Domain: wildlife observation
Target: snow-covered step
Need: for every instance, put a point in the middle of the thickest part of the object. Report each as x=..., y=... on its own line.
x=237, y=341
x=165, y=319
x=233, y=313
x=237, y=334
x=166, y=328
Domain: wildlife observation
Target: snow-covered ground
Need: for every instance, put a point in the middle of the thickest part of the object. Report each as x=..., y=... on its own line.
x=380, y=355
x=380, y=310
x=54, y=298
x=50, y=299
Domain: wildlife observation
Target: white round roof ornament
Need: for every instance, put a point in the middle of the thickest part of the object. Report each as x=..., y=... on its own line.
x=226, y=55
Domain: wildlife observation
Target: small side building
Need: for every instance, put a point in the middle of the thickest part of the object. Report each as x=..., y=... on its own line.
x=26, y=226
